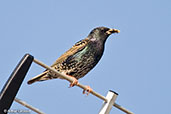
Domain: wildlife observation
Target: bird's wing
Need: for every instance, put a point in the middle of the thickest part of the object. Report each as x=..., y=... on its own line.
x=76, y=48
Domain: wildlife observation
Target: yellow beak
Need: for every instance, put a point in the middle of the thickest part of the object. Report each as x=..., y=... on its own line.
x=111, y=31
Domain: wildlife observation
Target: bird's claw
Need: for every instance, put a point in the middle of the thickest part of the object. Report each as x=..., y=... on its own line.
x=87, y=91
x=75, y=82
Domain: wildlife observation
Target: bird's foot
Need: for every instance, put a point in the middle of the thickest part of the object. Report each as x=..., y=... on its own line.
x=75, y=81
x=87, y=91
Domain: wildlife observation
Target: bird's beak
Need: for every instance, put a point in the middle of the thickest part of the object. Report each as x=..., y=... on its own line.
x=111, y=31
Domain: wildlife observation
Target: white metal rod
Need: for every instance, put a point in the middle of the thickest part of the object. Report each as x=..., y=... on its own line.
x=107, y=106
x=28, y=106
x=80, y=85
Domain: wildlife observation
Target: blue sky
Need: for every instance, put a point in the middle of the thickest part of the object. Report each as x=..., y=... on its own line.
x=136, y=62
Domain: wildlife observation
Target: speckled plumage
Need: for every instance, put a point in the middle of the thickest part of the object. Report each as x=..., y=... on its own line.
x=81, y=58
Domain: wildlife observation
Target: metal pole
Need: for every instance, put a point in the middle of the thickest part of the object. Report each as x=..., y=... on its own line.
x=107, y=106
x=122, y=108
x=68, y=78
x=28, y=106
x=13, y=84
x=80, y=85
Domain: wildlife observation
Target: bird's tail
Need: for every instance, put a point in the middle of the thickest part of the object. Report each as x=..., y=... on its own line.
x=41, y=77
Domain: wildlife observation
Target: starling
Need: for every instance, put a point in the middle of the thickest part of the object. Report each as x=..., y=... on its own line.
x=81, y=58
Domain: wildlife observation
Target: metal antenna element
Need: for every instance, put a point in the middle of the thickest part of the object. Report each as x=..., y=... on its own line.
x=13, y=84
x=108, y=100
x=107, y=106
x=28, y=106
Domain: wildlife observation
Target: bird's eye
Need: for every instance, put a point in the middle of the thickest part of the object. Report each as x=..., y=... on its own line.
x=104, y=30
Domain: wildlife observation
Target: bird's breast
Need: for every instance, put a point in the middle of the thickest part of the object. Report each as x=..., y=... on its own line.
x=82, y=62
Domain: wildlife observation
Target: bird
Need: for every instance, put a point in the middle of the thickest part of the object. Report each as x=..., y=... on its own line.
x=80, y=58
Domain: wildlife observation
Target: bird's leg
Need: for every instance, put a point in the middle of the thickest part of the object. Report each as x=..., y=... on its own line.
x=88, y=90
x=75, y=81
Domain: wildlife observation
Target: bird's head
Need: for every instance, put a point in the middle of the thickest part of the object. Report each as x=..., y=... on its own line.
x=101, y=33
